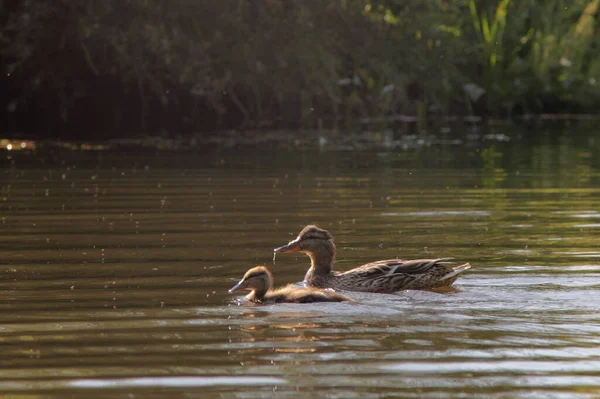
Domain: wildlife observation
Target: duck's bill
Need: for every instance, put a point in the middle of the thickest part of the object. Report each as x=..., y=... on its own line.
x=293, y=246
x=239, y=286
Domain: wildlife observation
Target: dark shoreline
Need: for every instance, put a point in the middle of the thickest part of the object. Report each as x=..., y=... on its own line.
x=447, y=131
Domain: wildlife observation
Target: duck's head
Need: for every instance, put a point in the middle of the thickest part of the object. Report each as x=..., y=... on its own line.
x=315, y=242
x=258, y=279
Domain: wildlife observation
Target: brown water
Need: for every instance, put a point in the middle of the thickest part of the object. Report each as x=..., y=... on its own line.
x=115, y=270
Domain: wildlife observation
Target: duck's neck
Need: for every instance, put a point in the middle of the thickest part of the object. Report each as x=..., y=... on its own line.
x=256, y=295
x=322, y=259
x=258, y=292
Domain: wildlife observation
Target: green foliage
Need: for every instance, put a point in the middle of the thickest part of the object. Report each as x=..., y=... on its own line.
x=302, y=62
x=537, y=55
x=490, y=35
x=563, y=54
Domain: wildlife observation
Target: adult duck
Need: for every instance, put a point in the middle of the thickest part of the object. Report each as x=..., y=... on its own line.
x=259, y=281
x=383, y=276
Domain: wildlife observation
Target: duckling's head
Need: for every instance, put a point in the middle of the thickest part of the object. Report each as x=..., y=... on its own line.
x=316, y=243
x=258, y=279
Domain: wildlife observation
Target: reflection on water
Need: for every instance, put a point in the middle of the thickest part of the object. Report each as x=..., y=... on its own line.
x=115, y=273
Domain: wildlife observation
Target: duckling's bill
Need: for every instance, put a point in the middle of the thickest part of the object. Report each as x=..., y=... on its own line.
x=239, y=286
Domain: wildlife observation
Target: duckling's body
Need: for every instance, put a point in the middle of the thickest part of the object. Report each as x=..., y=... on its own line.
x=384, y=276
x=259, y=280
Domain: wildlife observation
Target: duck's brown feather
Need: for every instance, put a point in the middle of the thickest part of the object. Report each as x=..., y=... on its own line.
x=259, y=281
x=391, y=275
x=293, y=294
x=380, y=276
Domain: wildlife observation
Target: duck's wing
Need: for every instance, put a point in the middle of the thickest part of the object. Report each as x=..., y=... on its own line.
x=393, y=267
x=397, y=274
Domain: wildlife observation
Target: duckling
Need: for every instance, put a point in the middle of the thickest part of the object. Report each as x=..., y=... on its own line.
x=259, y=281
x=382, y=276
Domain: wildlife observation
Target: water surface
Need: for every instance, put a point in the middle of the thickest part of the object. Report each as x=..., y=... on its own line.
x=115, y=269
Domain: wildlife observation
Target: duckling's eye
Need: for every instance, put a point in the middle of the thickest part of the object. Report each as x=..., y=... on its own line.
x=259, y=274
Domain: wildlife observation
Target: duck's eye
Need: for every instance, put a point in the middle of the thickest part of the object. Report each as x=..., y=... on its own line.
x=315, y=237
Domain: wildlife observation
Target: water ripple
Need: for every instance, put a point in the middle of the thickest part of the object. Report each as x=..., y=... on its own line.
x=115, y=280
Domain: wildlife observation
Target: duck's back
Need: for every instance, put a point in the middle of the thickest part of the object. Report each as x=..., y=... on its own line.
x=293, y=294
x=392, y=275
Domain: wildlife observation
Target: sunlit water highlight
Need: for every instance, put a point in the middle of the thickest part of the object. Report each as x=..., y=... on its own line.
x=115, y=279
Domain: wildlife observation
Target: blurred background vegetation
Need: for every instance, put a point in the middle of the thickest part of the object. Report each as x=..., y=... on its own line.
x=115, y=67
